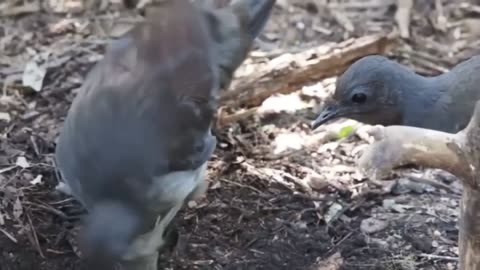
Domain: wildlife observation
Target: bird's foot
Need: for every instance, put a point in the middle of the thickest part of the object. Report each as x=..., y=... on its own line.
x=153, y=241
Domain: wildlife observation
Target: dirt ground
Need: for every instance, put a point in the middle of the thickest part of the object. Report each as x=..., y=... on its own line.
x=309, y=209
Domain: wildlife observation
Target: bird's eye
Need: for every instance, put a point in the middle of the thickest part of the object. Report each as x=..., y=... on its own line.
x=359, y=98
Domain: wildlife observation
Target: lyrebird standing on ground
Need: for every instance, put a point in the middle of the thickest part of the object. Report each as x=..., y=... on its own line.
x=378, y=91
x=137, y=137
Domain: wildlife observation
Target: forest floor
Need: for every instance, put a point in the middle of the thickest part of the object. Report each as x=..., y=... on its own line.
x=281, y=196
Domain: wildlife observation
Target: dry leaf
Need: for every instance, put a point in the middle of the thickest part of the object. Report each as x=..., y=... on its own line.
x=22, y=162
x=37, y=180
x=17, y=209
x=35, y=71
x=5, y=116
x=333, y=262
x=332, y=212
x=372, y=225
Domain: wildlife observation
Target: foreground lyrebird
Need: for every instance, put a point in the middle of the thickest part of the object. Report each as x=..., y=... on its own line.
x=137, y=137
x=379, y=91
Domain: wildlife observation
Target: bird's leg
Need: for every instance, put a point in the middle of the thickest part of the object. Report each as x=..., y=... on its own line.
x=202, y=185
x=171, y=234
x=165, y=225
x=152, y=241
x=198, y=192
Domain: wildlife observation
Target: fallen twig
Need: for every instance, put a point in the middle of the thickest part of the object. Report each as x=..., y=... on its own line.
x=287, y=73
x=433, y=183
x=36, y=243
x=9, y=235
x=438, y=257
x=28, y=8
x=402, y=17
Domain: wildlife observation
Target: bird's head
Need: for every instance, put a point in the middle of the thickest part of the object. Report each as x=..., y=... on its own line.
x=366, y=93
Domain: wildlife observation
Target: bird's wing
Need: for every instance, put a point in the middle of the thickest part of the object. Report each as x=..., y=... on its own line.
x=146, y=108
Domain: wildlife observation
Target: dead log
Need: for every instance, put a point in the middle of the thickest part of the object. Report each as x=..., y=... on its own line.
x=289, y=72
x=458, y=154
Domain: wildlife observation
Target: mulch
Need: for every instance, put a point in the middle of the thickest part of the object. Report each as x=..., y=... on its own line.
x=308, y=209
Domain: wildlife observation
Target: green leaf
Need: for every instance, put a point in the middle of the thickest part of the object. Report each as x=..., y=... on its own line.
x=345, y=132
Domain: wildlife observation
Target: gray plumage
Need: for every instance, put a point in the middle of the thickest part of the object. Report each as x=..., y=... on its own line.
x=137, y=137
x=375, y=90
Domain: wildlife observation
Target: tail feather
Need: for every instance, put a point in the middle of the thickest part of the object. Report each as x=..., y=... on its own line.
x=109, y=230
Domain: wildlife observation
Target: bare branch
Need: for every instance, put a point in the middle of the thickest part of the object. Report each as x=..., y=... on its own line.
x=401, y=145
x=457, y=153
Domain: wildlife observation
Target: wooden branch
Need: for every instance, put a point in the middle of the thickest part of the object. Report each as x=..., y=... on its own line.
x=402, y=17
x=289, y=72
x=224, y=120
x=457, y=153
x=402, y=145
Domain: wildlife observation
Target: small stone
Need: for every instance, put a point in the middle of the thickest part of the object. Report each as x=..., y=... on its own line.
x=372, y=225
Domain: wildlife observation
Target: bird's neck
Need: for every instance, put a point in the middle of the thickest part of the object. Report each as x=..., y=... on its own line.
x=417, y=96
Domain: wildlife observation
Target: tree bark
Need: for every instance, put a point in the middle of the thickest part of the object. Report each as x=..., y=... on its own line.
x=456, y=153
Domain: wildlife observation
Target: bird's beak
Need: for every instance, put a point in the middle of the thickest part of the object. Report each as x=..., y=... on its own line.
x=328, y=113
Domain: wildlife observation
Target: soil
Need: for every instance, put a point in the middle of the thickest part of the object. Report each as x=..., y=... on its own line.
x=306, y=210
